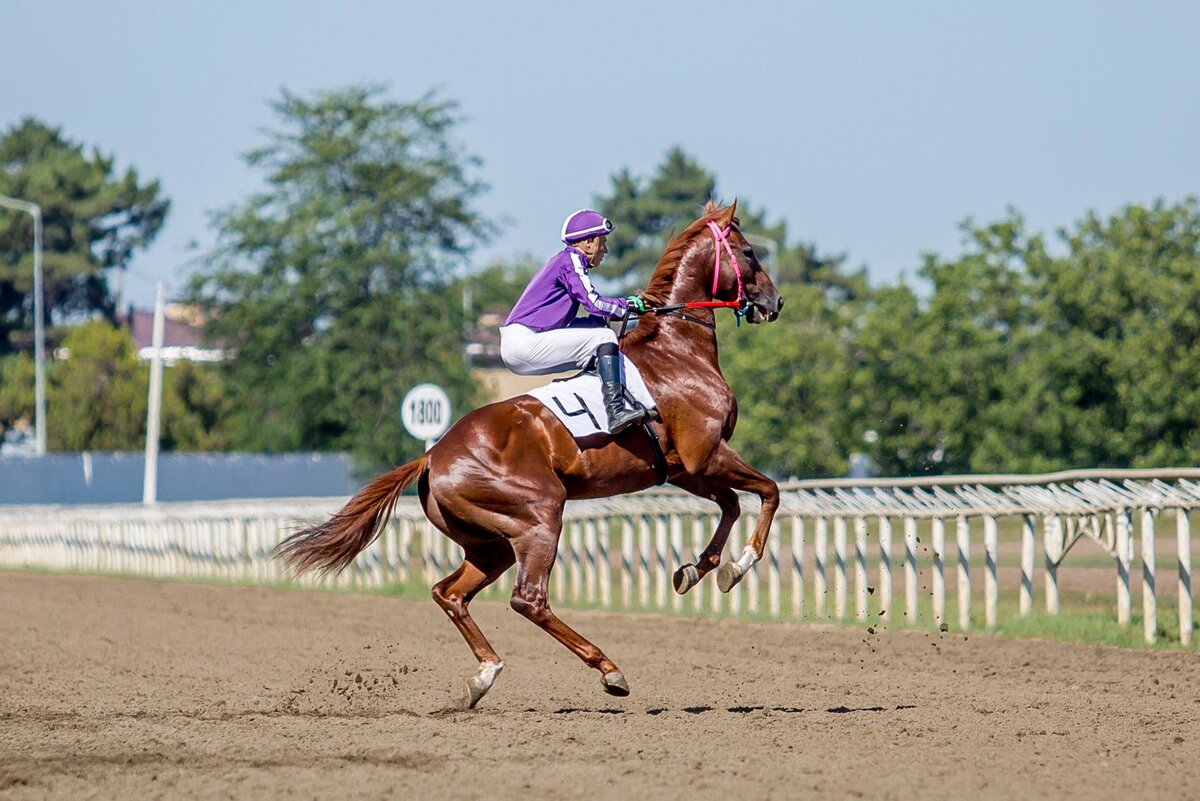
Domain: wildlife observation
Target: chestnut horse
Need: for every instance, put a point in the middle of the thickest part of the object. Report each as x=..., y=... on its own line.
x=497, y=482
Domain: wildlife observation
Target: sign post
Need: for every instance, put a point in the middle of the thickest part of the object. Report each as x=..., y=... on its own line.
x=425, y=412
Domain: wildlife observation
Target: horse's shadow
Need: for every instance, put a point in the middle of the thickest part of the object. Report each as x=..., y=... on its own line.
x=690, y=710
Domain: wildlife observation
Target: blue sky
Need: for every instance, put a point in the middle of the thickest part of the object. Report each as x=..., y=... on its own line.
x=873, y=128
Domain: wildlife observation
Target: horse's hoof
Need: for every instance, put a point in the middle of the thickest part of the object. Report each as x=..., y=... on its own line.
x=615, y=684
x=479, y=684
x=728, y=576
x=685, y=578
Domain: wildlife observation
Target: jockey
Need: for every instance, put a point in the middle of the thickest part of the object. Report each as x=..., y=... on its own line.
x=543, y=335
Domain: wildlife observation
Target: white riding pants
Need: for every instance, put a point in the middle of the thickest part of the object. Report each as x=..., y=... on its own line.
x=529, y=352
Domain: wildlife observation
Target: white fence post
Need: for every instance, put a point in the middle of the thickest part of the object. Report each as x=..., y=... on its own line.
x=938, y=546
x=677, y=559
x=910, y=570
x=1124, y=557
x=885, y=568
x=797, y=566
x=644, y=561
x=1052, y=547
x=839, y=568
x=627, y=536
x=963, y=542
x=820, y=555
x=1183, y=544
x=1028, y=522
x=773, y=589
x=991, y=590
x=592, y=572
x=605, y=576
x=1149, y=598
x=860, y=568
x=661, y=577
x=575, y=560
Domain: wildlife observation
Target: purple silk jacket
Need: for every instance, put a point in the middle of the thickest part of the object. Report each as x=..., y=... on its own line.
x=553, y=297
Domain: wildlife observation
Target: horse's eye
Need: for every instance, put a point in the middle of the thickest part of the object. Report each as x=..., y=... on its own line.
x=748, y=252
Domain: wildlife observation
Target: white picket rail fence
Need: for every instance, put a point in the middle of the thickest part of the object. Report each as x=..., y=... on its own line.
x=621, y=552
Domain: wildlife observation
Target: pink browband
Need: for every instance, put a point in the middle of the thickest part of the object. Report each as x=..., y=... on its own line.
x=721, y=237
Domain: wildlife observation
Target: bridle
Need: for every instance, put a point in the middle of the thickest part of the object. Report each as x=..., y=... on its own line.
x=721, y=237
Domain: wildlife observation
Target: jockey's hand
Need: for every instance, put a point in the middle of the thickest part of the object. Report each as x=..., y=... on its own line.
x=637, y=303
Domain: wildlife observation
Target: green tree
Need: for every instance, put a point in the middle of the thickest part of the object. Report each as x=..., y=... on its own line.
x=97, y=394
x=646, y=212
x=195, y=409
x=1027, y=358
x=93, y=219
x=498, y=286
x=333, y=281
x=16, y=391
x=96, y=397
x=791, y=379
x=1119, y=330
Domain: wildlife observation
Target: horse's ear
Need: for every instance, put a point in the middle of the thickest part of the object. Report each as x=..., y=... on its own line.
x=727, y=214
x=710, y=207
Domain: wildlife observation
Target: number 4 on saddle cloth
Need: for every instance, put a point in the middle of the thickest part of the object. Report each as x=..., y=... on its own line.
x=578, y=403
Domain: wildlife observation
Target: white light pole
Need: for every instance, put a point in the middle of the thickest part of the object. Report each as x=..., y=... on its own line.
x=39, y=333
x=154, y=406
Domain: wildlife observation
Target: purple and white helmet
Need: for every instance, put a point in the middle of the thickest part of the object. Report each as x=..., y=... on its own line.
x=584, y=224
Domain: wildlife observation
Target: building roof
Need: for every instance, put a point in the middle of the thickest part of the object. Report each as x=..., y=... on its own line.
x=181, y=339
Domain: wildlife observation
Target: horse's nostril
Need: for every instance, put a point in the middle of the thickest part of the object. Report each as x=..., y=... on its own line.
x=779, y=304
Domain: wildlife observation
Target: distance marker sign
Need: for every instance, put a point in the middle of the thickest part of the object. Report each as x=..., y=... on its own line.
x=425, y=412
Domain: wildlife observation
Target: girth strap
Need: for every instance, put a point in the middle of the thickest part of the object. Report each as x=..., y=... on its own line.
x=660, y=458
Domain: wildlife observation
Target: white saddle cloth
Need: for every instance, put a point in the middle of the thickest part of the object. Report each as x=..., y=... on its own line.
x=579, y=404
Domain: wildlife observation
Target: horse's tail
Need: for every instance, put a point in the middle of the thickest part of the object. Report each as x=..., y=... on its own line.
x=332, y=545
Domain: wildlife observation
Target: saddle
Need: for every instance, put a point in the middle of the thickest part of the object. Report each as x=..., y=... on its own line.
x=577, y=402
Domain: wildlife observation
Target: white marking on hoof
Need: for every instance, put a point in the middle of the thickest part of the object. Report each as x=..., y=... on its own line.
x=479, y=684
x=685, y=578
x=732, y=572
x=728, y=576
x=615, y=684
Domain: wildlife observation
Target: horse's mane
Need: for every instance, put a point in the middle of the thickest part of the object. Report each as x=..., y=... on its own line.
x=664, y=273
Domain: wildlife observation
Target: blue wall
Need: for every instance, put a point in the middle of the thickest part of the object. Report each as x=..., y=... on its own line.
x=117, y=477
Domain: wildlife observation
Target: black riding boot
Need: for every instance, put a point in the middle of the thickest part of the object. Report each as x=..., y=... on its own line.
x=612, y=384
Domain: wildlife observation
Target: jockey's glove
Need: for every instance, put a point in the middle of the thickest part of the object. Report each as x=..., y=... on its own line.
x=637, y=303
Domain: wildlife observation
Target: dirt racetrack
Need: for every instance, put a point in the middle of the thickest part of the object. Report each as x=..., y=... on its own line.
x=119, y=688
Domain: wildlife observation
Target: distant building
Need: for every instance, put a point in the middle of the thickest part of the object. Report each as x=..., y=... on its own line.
x=483, y=340
x=183, y=336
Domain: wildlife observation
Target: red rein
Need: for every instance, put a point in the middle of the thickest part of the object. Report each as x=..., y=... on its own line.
x=714, y=304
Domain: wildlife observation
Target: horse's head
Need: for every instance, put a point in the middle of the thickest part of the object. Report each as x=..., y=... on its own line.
x=737, y=273
x=712, y=261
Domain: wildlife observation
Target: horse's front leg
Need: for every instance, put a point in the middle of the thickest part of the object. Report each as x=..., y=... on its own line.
x=689, y=575
x=726, y=468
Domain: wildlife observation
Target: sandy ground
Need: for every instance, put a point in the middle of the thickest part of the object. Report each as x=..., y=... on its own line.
x=117, y=688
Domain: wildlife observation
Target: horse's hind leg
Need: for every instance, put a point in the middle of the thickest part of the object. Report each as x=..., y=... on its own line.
x=483, y=564
x=535, y=552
